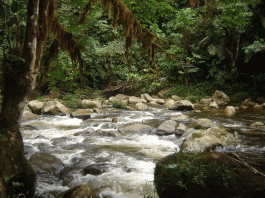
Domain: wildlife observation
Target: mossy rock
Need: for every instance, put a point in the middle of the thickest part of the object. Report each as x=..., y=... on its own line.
x=205, y=175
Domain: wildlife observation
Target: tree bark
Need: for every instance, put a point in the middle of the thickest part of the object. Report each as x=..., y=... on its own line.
x=17, y=176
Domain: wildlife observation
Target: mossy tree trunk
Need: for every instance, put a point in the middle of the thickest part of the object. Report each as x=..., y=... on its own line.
x=19, y=77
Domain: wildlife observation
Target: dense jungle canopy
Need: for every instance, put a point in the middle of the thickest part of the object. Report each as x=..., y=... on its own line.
x=214, y=44
x=83, y=47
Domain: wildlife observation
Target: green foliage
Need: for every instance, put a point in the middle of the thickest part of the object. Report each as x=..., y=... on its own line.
x=71, y=101
x=118, y=104
x=192, y=169
x=239, y=97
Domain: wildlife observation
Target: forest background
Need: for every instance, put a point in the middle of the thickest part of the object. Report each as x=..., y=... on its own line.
x=216, y=44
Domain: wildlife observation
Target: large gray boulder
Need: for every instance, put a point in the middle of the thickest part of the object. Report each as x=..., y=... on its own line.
x=90, y=104
x=137, y=128
x=141, y=106
x=203, y=123
x=182, y=105
x=221, y=98
x=82, y=114
x=205, y=175
x=36, y=106
x=167, y=127
x=55, y=108
x=135, y=100
x=204, y=140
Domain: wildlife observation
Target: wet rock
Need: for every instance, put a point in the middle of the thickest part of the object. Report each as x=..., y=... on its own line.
x=167, y=127
x=169, y=103
x=27, y=115
x=81, y=191
x=33, y=126
x=135, y=100
x=153, y=104
x=82, y=114
x=55, y=108
x=141, y=106
x=257, y=106
x=204, y=140
x=257, y=125
x=122, y=97
x=220, y=98
x=203, y=123
x=176, y=98
x=213, y=104
x=36, y=106
x=182, y=105
x=230, y=111
x=208, y=174
x=179, y=117
x=98, y=110
x=93, y=169
x=85, y=132
x=205, y=101
x=181, y=129
x=90, y=104
x=248, y=102
x=136, y=128
x=46, y=163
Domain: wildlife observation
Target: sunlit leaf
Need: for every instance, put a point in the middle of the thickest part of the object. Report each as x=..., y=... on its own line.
x=15, y=58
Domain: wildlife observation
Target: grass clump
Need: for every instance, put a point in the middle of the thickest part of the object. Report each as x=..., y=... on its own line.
x=71, y=101
x=118, y=104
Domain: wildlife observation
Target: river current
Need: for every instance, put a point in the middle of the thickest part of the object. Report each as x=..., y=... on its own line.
x=128, y=159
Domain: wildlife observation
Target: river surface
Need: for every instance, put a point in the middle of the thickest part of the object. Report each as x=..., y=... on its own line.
x=128, y=159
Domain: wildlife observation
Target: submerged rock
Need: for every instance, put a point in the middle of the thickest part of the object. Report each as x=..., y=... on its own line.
x=46, y=163
x=205, y=175
x=136, y=128
x=81, y=191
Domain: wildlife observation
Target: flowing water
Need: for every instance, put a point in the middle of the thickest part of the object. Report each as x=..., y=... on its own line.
x=128, y=159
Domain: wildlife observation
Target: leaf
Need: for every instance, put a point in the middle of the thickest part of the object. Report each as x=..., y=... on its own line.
x=17, y=184
x=14, y=6
x=16, y=58
x=2, y=12
x=7, y=12
x=192, y=70
x=212, y=50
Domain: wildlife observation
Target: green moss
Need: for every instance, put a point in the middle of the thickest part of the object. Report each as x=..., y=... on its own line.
x=118, y=104
x=196, y=135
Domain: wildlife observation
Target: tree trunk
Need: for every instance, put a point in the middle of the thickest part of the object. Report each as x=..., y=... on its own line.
x=18, y=178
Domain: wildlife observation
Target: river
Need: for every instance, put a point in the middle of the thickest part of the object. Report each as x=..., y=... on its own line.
x=128, y=159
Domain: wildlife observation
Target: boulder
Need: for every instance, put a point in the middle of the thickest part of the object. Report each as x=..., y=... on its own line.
x=135, y=100
x=82, y=114
x=230, y=111
x=179, y=117
x=153, y=104
x=181, y=129
x=205, y=101
x=204, y=140
x=28, y=115
x=176, y=98
x=55, y=108
x=203, y=123
x=220, y=98
x=81, y=191
x=46, y=163
x=141, y=106
x=213, y=104
x=208, y=174
x=167, y=127
x=248, y=102
x=90, y=104
x=182, y=105
x=169, y=103
x=136, y=128
x=122, y=97
x=257, y=125
x=147, y=97
x=93, y=169
x=36, y=106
